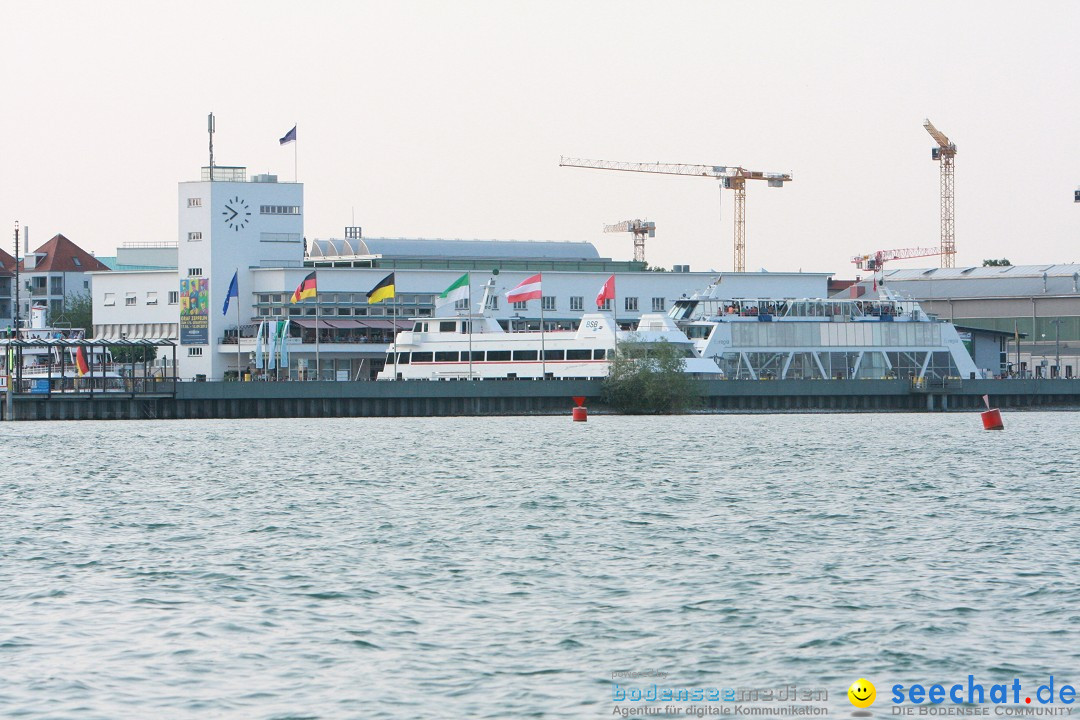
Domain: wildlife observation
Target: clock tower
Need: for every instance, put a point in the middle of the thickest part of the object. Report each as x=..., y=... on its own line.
x=229, y=224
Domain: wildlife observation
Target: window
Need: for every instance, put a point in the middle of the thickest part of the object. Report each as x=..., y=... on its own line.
x=174, y=297
x=462, y=304
x=520, y=305
x=85, y=284
x=76, y=261
x=599, y=354
x=194, y=272
x=554, y=355
x=151, y=298
x=264, y=311
x=631, y=303
x=447, y=326
x=129, y=299
x=421, y=357
x=577, y=302
x=547, y=302
x=606, y=305
x=194, y=352
x=498, y=356
x=193, y=236
x=493, y=302
x=658, y=304
x=279, y=209
x=526, y=355
x=578, y=354
x=445, y=356
x=194, y=202
x=110, y=298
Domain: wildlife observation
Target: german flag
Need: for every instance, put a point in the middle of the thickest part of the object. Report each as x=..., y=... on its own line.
x=306, y=289
x=81, y=365
x=383, y=291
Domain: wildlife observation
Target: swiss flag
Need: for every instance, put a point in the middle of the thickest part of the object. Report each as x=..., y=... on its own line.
x=607, y=292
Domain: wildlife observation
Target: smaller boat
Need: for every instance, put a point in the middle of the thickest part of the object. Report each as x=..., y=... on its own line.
x=53, y=359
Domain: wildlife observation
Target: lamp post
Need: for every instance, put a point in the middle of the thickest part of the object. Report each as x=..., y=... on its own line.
x=1057, y=346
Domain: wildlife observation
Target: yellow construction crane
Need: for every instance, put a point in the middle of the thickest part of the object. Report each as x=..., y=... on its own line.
x=733, y=178
x=945, y=153
x=640, y=228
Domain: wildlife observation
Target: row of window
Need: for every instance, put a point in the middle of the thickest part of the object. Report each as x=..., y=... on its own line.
x=453, y=356
x=279, y=209
x=131, y=299
x=360, y=298
x=309, y=310
x=577, y=303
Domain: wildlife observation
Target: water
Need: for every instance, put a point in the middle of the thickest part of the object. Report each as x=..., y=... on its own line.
x=506, y=567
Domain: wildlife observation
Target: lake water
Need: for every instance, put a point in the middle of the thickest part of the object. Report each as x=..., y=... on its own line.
x=508, y=567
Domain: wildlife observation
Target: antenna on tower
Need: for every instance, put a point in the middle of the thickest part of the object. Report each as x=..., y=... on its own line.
x=210, y=129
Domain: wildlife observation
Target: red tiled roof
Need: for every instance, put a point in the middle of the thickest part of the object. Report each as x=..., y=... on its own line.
x=6, y=262
x=61, y=255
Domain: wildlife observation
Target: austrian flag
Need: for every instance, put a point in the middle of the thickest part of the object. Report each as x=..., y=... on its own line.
x=529, y=289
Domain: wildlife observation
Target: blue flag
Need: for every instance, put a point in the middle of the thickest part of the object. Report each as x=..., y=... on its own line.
x=234, y=292
x=289, y=137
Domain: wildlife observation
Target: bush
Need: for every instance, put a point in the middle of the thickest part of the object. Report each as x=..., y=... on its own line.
x=648, y=378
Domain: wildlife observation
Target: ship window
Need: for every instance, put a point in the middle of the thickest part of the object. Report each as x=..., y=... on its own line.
x=421, y=357
x=477, y=355
x=418, y=327
x=599, y=354
x=446, y=356
x=447, y=326
x=526, y=355
x=498, y=355
x=390, y=358
x=403, y=358
x=554, y=355
x=578, y=354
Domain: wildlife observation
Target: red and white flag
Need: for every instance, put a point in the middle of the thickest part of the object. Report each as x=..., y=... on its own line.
x=529, y=289
x=607, y=292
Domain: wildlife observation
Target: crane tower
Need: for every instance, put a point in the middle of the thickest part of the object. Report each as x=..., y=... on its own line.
x=640, y=228
x=945, y=153
x=733, y=178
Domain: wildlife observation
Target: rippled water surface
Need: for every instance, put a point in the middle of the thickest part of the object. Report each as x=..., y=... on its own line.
x=506, y=567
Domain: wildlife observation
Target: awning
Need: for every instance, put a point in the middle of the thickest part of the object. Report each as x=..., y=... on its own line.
x=386, y=324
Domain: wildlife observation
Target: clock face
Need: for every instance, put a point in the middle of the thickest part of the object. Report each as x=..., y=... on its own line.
x=236, y=213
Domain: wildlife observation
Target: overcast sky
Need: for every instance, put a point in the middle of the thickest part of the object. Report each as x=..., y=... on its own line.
x=447, y=119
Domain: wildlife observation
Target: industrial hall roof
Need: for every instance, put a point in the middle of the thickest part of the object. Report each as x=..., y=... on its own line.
x=440, y=248
x=985, y=282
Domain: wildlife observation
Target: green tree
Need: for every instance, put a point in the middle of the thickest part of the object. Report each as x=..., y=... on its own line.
x=78, y=313
x=648, y=378
x=133, y=353
x=1003, y=262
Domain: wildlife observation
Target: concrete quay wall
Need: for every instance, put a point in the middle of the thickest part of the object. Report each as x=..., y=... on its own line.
x=523, y=397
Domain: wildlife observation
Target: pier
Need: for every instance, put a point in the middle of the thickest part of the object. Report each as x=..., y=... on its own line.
x=191, y=400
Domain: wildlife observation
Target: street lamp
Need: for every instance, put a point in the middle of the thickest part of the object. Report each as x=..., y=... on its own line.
x=1057, y=345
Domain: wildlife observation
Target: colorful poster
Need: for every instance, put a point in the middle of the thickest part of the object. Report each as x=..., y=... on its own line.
x=194, y=311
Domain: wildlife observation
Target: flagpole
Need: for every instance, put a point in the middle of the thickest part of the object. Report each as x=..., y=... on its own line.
x=543, y=352
x=239, y=373
x=318, y=370
x=296, y=153
x=614, y=317
x=470, y=316
x=394, y=329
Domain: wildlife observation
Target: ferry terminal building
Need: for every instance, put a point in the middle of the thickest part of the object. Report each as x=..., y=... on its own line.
x=228, y=222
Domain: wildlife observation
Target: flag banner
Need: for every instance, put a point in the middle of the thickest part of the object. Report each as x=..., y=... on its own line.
x=607, y=292
x=383, y=291
x=271, y=346
x=306, y=289
x=234, y=292
x=259, y=346
x=289, y=137
x=285, y=345
x=458, y=290
x=80, y=361
x=529, y=289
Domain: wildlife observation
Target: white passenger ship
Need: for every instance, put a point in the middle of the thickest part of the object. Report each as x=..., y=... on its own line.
x=477, y=347
x=885, y=337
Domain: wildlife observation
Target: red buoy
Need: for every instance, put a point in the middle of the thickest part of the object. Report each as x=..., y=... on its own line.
x=991, y=420
x=580, y=414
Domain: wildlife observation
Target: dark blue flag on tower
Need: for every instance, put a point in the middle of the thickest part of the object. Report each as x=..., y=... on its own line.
x=234, y=292
x=289, y=137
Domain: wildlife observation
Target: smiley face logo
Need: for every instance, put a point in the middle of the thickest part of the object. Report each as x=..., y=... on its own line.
x=862, y=693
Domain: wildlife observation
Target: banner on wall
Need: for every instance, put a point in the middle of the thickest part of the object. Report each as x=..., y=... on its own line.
x=194, y=311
